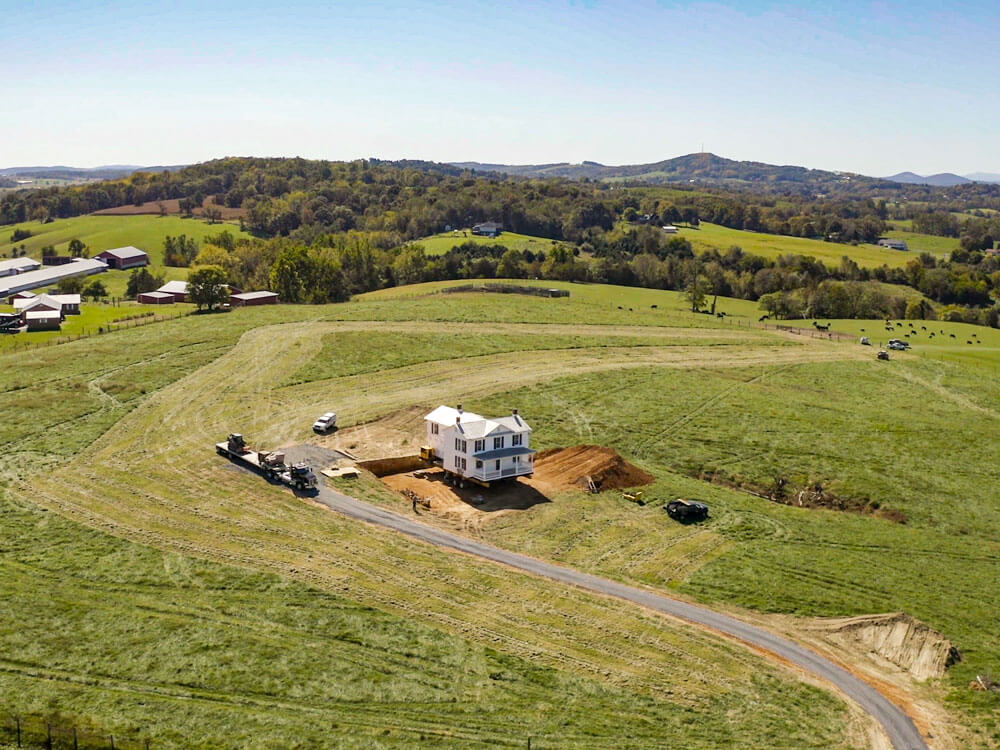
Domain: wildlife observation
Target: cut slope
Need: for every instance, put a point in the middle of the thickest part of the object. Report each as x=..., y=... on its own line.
x=570, y=467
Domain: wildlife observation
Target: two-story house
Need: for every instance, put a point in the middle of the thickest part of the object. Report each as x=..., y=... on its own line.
x=471, y=447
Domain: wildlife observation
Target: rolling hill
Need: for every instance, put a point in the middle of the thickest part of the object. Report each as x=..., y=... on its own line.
x=942, y=179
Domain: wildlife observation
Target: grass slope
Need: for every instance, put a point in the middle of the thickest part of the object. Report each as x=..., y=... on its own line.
x=346, y=635
x=101, y=233
x=439, y=244
x=714, y=237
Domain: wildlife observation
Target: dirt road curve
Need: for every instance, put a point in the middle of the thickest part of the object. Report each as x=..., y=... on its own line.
x=901, y=730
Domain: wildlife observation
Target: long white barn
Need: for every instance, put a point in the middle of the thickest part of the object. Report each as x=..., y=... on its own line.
x=482, y=450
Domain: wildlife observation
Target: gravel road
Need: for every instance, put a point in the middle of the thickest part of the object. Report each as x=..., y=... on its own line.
x=898, y=726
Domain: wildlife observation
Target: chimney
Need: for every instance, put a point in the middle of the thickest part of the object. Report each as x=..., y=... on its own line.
x=458, y=419
x=459, y=408
x=515, y=412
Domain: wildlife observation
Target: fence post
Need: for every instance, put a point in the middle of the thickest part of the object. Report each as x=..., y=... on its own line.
x=48, y=737
x=17, y=720
x=75, y=744
x=112, y=741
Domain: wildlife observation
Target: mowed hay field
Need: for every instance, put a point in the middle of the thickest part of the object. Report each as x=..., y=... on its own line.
x=221, y=556
x=173, y=597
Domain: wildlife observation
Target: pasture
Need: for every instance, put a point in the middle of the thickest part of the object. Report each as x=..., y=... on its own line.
x=709, y=237
x=439, y=244
x=703, y=404
x=101, y=233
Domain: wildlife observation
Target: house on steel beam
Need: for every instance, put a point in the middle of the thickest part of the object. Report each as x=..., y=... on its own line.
x=472, y=448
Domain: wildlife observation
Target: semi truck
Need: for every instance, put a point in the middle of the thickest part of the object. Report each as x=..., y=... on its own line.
x=271, y=464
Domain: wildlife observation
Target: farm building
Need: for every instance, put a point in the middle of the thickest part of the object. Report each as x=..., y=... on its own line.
x=893, y=244
x=64, y=304
x=669, y=229
x=249, y=299
x=42, y=320
x=124, y=257
x=488, y=229
x=479, y=449
x=155, y=298
x=179, y=290
x=20, y=295
x=15, y=266
x=22, y=282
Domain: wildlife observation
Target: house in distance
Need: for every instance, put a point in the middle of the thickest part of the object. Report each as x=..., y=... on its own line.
x=472, y=448
x=487, y=229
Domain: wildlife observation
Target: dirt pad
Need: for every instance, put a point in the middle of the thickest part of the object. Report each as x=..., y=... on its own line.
x=898, y=638
x=561, y=468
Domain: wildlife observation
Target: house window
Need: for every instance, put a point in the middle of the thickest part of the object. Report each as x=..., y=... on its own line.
x=480, y=445
x=463, y=464
x=514, y=459
x=516, y=439
x=460, y=445
x=497, y=443
x=479, y=464
x=498, y=464
x=458, y=462
x=434, y=429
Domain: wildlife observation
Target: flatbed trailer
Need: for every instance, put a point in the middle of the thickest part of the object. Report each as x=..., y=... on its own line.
x=269, y=464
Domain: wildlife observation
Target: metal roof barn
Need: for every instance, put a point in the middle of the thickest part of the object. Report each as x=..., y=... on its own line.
x=248, y=299
x=50, y=275
x=15, y=266
x=125, y=257
x=155, y=298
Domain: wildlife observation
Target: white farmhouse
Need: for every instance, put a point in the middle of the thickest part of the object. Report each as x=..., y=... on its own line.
x=478, y=449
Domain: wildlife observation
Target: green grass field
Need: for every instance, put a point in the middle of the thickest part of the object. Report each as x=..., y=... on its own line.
x=283, y=620
x=93, y=317
x=712, y=236
x=101, y=233
x=439, y=244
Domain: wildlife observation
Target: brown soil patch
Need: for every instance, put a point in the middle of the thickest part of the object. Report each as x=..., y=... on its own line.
x=570, y=467
x=398, y=434
x=897, y=638
x=471, y=504
x=171, y=207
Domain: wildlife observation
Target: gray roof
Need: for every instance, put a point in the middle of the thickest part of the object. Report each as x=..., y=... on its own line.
x=174, y=287
x=254, y=295
x=123, y=253
x=42, y=315
x=517, y=450
x=156, y=295
x=473, y=426
x=48, y=275
x=18, y=265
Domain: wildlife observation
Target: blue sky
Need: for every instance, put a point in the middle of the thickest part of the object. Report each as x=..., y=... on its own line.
x=868, y=87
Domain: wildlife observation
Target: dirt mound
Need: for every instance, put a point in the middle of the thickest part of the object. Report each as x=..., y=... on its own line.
x=906, y=642
x=570, y=467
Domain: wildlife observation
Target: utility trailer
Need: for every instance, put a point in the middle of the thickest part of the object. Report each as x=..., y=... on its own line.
x=271, y=464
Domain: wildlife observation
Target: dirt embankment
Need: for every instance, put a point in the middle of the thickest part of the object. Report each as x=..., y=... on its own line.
x=897, y=638
x=570, y=467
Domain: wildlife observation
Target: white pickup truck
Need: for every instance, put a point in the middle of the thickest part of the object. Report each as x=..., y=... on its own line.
x=325, y=423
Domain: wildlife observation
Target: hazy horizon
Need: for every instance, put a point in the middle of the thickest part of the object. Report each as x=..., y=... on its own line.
x=871, y=88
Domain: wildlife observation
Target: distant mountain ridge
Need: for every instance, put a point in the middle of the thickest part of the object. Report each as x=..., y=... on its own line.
x=107, y=172
x=703, y=168
x=942, y=179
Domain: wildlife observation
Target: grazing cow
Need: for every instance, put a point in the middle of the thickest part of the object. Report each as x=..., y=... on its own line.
x=862, y=330
x=720, y=315
x=619, y=307
x=630, y=309
x=952, y=335
x=653, y=307
x=968, y=342
x=762, y=318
